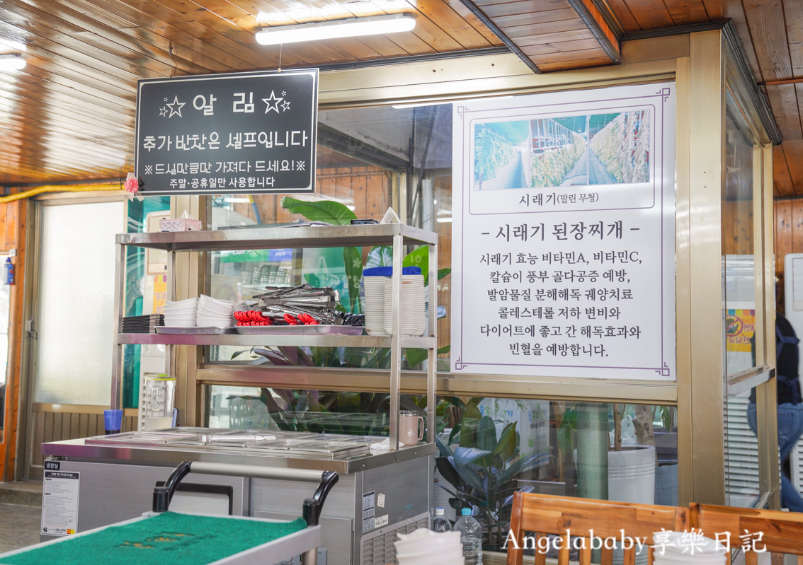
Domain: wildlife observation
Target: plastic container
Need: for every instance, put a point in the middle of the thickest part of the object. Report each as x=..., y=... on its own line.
x=471, y=537
x=440, y=523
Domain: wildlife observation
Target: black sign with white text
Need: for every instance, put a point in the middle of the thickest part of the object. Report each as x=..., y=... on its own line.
x=245, y=133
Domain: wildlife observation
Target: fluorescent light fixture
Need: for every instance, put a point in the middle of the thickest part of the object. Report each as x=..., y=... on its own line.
x=11, y=44
x=237, y=200
x=11, y=62
x=349, y=27
x=444, y=220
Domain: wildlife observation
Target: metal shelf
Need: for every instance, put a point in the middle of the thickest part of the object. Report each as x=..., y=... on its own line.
x=279, y=238
x=256, y=340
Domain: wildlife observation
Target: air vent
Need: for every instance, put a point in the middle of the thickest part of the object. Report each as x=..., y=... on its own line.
x=377, y=547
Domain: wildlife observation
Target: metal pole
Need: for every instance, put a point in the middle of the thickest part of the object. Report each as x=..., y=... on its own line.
x=117, y=351
x=432, y=358
x=310, y=557
x=395, y=342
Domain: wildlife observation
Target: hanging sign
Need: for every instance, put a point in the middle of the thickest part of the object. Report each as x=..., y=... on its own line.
x=564, y=234
x=235, y=133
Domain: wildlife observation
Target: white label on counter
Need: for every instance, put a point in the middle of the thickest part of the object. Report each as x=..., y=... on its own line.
x=60, y=503
x=380, y=500
x=381, y=521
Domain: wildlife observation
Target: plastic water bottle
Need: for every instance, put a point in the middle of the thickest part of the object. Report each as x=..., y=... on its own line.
x=471, y=536
x=440, y=523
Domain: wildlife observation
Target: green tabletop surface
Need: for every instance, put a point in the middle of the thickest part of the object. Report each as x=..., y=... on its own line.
x=170, y=537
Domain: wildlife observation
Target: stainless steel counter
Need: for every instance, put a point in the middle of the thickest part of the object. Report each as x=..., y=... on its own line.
x=294, y=450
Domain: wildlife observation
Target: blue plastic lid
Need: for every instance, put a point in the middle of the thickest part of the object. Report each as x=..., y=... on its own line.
x=388, y=271
x=466, y=511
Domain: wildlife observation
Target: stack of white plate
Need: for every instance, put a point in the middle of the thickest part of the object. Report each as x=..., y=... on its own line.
x=678, y=548
x=412, y=307
x=181, y=314
x=214, y=313
x=375, y=305
x=425, y=547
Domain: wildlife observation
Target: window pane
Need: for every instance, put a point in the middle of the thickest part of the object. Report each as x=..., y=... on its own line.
x=560, y=448
x=737, y=250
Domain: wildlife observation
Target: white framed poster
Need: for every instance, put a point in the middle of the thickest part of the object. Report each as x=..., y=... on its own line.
x=563, y=238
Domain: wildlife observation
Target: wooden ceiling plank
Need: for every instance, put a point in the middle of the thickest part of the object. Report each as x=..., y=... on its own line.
x=66, y=163
x=191, y=35
x=99, y=147
x=578, y=55
x=780, y=173
x=29, y=120
x=650, y=14
x=555, y=26
x=435, y=38
x=523, y=7
x=527, y=22
x=560, y=36
x=775, y=192
x=54, y=99
x=475, y=22
x=793, y=151
x=783, y=101
x=440, y=13
x=69, y=121
x=766, y=21
x=561, y=47
x=685, y=12
x=624, y=16
x=382, y=44
x=141, y=40
x=793, y=10
x=578, y=64
x=735, y=11
x=48, y=31
x=716, y=8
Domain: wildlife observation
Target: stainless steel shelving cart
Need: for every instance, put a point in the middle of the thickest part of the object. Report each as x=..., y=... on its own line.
x=397, y=235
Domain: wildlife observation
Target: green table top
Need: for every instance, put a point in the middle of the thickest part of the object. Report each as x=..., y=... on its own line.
x=168, y=538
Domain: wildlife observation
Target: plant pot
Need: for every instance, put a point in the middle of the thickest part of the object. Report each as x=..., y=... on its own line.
x=666, y=484
x=631, y=474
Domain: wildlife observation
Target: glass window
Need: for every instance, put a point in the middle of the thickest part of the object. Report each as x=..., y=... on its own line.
x=369, y=160
x=603, y=451
x=76, y=290
x=738, y=257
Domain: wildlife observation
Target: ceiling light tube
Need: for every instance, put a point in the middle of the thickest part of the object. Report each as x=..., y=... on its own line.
x=349, y=27
x=11, y=62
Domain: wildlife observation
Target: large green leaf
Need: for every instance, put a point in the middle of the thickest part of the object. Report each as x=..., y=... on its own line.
x=380, y=256
x=465, y=455
x=506, y=445
x=469, y=424
x=416, y=356
x=328, y=211
x=352, y=259
x=486, y=434
x=419, y=258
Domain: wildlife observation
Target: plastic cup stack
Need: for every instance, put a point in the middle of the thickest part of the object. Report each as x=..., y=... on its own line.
x=375, y=305
x=681, y=548
x=412, y=307
x=425, y=547
x=214, y=313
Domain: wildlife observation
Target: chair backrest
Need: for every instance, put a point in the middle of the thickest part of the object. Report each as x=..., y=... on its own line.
x=578, y=520
x=755, y=531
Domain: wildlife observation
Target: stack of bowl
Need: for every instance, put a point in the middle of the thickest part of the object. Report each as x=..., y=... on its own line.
x=425, y=547
x=375, y=305
x=214, y=313
x=181, y=314
x=411, y=309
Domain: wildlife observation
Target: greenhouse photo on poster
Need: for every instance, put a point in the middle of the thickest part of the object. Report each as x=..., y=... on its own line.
x=549, y=152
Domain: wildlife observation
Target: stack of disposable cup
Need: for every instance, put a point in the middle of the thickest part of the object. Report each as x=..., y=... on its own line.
x=683, y=548
x=216, y=313
x=181, y=314
x=411, y=308
x=425, y=547
x=375, y=305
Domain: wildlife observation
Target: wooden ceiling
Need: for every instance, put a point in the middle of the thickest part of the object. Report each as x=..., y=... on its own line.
x=69, y=115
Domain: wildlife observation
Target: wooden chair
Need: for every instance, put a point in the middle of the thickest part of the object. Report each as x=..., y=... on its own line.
x=782, y=531
x=544, y=514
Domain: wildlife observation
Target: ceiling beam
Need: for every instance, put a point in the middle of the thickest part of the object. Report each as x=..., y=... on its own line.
x=600, y=26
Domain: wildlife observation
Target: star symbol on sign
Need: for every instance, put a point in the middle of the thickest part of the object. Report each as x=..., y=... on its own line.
x=272, y=102
x=175, y=107
x=284, y=93
x=165, y=99
x=162, y=111
x=285, y=106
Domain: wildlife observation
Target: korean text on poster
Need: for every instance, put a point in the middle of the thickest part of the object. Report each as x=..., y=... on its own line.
x=60, y=492
x=225, y=134
x=564, y=234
